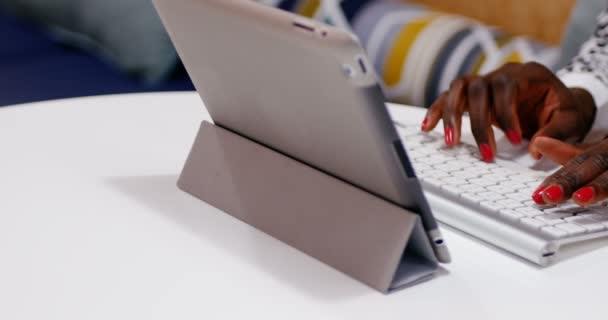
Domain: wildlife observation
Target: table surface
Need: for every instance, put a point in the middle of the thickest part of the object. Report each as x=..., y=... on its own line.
x=92, y=226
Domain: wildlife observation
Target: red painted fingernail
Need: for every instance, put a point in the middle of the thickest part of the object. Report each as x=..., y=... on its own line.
x=449, y=136
x=554, y=193
x=425, y=122
x=513, y=136
x=537, y=196
x=486, y=153
x=584, y=195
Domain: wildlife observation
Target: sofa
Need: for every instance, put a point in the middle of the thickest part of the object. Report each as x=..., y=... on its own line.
x=34, y=67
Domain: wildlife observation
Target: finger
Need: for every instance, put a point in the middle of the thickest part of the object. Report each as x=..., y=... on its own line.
x=594, y=192
x=452, y=114
x=481, y=118
x=504, y=95
x=562, y=125
x=558, y=151
x=575, y=174
x=433, y=115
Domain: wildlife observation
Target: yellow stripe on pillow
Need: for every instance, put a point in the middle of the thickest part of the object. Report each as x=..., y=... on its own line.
x=514, y=56
x=309, y=8
x=400, y=50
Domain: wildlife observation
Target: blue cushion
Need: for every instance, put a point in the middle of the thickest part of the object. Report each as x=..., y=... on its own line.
x=66, y=73
x=20, y=40
x=127, y=33
x=34, y=68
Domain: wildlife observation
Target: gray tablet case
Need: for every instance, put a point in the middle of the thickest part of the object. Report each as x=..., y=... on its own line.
x=360, y=234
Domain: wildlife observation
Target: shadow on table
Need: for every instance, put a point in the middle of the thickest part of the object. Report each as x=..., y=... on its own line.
x=270, y=256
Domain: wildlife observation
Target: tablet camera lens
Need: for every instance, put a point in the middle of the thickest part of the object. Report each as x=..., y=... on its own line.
x=348, y=71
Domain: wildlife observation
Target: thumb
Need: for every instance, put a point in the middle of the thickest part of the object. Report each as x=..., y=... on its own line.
x=558, y=151
x=562, y=126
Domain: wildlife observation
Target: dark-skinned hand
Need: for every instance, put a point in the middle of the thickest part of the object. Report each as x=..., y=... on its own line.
x=583, y=177
x=523, y=100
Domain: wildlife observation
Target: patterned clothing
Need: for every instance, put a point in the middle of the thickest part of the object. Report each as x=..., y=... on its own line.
x=589, y=71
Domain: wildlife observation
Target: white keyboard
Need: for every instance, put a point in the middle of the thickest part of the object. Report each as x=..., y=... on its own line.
x=499, y=192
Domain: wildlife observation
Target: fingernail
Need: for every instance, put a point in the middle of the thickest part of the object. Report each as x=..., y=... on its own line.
x=425, y=122
x=449, y=136
x=584, y=195
x=537, y=196
x=513, y=136
x=554, y=193
x=486, y=153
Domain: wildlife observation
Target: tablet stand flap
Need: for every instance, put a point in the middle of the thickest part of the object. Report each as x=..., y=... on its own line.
x=360, y=234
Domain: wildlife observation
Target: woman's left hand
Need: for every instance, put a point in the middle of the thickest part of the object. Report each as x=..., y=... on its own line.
x=583, y=178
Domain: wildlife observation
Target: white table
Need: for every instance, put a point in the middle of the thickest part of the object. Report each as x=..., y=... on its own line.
x=93, y=227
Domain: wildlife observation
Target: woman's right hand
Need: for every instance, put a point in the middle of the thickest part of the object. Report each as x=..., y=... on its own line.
x=583, y=177
x=523, y=100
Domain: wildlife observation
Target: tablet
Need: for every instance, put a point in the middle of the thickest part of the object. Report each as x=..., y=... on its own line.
x=300, y=87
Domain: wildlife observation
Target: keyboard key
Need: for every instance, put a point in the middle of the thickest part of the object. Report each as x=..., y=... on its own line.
x=473, y=168
x=432, y=173
x=472, y=188
x=528, y=191
x=471, y=158
x=550, y=219
x=496, y=177
x=533, y=185
x=518, y=196
x=565, y=209
x=599, y=218
x=503, y=171
x=432, y=181
x=532, y=204
x=500, y=189
x=466, y=174
x=490, y=196
x=572, y=229
x=482, y=182
x=523, y=178
x=529, y=212
x=597, y=208
x=435, y=160
x=492, y=206
x=587, y=223
x=511, y=215
x=426, y=152
x=554, y=232
x=532, y=223
x=455, y=151
x=415, y=155
x=453, y=181
x=472, y=197
x=514, y=185
x=510, y=203
x=454, y=190
x=447, y=167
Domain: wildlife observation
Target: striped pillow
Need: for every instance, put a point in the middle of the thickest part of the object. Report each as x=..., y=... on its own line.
x=417, y=52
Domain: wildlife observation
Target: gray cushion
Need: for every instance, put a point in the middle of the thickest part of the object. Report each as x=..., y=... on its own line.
x=581, y=27
x=129, y=33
